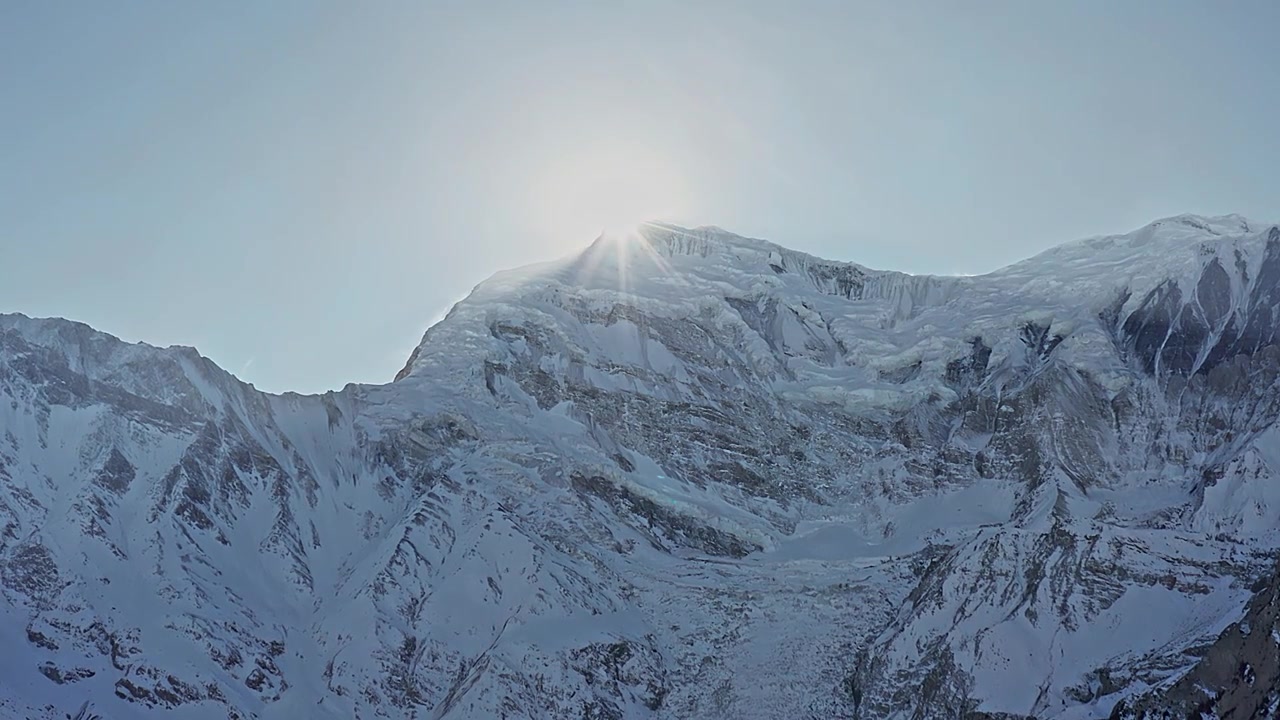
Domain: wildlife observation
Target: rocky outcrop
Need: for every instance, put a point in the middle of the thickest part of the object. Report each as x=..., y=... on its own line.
x=1238, y=676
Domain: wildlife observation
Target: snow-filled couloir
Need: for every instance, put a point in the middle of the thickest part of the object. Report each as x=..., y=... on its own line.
x=680, y=474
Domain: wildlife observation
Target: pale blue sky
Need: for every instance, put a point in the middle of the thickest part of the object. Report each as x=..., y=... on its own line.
x=299, y=188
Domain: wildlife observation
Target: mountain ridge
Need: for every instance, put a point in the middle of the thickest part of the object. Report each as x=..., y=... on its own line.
x=1220, y=226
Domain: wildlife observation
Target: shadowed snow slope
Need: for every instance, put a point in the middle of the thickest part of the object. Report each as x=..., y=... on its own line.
x=680, y=474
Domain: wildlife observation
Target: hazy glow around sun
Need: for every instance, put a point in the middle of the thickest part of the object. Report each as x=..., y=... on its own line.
x=610, y=190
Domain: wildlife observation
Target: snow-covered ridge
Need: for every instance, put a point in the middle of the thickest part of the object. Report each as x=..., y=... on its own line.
x=881, y=318
x=831, y=277
x=93, y=352
x=1175, y=248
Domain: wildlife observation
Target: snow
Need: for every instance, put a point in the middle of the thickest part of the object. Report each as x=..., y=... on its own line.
x=984, y=503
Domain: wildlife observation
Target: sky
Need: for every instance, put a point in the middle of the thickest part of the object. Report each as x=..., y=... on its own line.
x=299, y=188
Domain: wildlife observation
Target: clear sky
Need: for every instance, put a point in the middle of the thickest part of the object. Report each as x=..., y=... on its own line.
x=299, y=188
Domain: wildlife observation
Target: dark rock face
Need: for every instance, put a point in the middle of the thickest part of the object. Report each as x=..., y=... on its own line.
x=620, y=669
x=663, y=528
x=843, y=280
x=1172, y=332
x=1148, y=328
x=116, y=473
x=30, y=572
x=1039, y=341
x=1238, y=676
x=969, y=371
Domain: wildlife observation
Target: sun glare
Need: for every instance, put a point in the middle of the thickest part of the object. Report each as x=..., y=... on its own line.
x=625, y=232
x=610, y=191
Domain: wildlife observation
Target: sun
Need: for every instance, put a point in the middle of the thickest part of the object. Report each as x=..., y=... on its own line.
x=610, y=190
x=625, y=231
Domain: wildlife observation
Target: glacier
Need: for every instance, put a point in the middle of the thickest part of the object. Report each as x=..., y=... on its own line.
x=682, y=473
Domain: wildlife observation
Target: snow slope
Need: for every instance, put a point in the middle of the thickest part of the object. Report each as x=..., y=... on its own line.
x=680, y=474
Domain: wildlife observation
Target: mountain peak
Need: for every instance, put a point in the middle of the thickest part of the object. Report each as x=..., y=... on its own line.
x=1162, y=249
x=1230, y=224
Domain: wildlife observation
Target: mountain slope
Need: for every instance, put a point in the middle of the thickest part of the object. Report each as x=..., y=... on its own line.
x=681, y=474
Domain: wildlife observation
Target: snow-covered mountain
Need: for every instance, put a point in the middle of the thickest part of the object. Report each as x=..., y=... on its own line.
x=681, y=474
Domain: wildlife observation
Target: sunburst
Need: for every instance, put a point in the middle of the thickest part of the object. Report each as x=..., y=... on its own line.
x=630, y=250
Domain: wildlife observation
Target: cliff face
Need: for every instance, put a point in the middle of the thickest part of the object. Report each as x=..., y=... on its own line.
x=683, y=474
x=1238, y=676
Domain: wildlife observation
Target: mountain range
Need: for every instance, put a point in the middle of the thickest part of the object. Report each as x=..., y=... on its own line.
x=680, y=474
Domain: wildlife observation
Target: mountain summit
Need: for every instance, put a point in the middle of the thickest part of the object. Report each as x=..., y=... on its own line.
x=679, y=474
